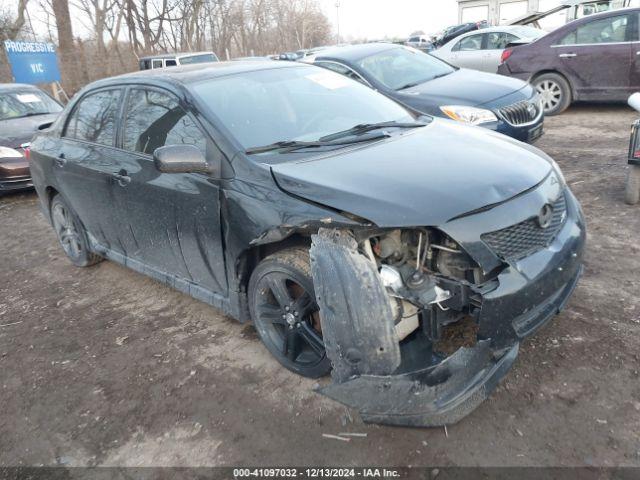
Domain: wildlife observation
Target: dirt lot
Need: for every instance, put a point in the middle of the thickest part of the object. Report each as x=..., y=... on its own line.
x=103, y=366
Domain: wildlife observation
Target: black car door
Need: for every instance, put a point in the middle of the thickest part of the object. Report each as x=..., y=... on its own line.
x=86, y=160
x=173, y=220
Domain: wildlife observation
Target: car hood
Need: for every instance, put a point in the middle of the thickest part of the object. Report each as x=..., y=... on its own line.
x=463, y=87
x=422, y=178
x=17, y=131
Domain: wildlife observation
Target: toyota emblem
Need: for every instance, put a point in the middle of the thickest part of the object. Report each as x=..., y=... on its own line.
x=545, y=217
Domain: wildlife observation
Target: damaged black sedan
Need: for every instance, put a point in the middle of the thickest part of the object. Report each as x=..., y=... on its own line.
x=407, y=255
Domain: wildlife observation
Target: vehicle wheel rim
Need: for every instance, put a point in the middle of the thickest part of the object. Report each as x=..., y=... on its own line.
x=289, y=316
x=550, y=93
x=67, y=232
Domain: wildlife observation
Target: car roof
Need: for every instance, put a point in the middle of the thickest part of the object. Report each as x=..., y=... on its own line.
x=503, y=28
x=608, y=13
x=17, y=86
x=187, y=74
x=174, y=55
x=352, y=53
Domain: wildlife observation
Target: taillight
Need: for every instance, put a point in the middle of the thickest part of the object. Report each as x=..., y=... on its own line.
x=636, y=154
x=506, y=54
x=26, y=149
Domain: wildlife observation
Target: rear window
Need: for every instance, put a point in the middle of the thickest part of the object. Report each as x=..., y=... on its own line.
x=499, y=40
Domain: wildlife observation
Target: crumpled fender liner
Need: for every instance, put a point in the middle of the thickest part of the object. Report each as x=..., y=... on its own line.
x=435, y=396
x=355, y=310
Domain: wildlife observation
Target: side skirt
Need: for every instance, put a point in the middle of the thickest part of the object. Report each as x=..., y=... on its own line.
x=194, y=290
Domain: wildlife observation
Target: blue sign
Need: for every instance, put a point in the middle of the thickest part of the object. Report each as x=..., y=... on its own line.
x=32, y=62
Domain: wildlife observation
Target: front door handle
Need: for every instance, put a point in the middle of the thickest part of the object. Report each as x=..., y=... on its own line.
x=568, y=55
x=60, y=161
x=122, y=178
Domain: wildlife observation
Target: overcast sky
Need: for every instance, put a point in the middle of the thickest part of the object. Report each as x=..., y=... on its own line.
x=379, y=18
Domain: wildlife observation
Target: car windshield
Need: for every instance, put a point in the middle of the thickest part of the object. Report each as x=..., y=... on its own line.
x=303, y=103
x=403, y=67
x=26, y=103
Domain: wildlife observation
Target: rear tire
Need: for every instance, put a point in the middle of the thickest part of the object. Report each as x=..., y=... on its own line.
x=71, y=234
x=284, y=311
x=632, y=194
x=555, y=92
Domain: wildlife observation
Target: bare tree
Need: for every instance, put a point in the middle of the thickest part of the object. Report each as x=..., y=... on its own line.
x=73, y=77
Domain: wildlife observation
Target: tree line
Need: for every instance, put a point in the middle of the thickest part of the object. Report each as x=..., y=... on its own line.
x=99, y=38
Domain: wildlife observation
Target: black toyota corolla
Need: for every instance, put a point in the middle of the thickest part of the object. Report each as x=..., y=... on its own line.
x=429, y=85
x=408, y=256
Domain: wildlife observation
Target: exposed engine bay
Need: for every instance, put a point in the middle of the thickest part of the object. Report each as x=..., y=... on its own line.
x=416, y=331
x=428, y=278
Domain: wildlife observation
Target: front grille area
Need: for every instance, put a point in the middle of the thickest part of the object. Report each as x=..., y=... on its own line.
x=528, y=237
x=522, y=112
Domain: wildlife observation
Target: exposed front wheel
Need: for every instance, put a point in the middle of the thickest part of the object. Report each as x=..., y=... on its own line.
x=632, y=194
x=554, y=92
x=285, y=313
x=71, y=234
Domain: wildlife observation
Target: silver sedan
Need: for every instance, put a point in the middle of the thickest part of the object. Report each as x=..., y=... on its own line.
x=482, y=49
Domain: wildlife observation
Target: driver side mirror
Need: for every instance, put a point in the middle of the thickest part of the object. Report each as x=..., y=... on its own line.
x=181, y=159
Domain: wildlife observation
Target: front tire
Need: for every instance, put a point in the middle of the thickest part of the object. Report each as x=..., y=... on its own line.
x=632, y=194
x=71, y=234
x=555, y=92
x=283, y=307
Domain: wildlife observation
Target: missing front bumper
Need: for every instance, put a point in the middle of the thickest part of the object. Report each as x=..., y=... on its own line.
x=370, y=373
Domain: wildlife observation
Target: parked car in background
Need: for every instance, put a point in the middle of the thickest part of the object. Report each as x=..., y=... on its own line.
x=430, y=86
x=594, y=58
x=568, y=10
x=176, y=59
x=482, y=50
x=632, y=192
x=455, y=31
x=421, y=42
x=24, y=110
x=582, y=8
x=291, y=56
x=347, y=230
x=250, y=59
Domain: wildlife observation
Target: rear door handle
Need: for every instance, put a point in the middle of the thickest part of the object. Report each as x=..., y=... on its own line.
x=122, y=178
x=568, y=55
x=60, y=161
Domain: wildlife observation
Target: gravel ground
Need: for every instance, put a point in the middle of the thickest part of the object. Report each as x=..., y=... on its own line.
x=103, y=366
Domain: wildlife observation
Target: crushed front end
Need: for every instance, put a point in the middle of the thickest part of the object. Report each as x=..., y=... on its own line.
x=422, y=323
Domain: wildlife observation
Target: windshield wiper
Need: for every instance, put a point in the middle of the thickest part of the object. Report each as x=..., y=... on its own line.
x=415, y=84
x=409, y=85
x=368, y=127
x=293, y=145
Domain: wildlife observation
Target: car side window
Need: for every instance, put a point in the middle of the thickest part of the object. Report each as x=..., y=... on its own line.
x=471, y=43
x=342, y=70
x=607, y=30
x=154, y=119
x=499, y=40
x=157, y=64
x=94, y=118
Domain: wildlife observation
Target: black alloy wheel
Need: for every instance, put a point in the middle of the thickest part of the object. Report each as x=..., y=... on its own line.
x=285, y=313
